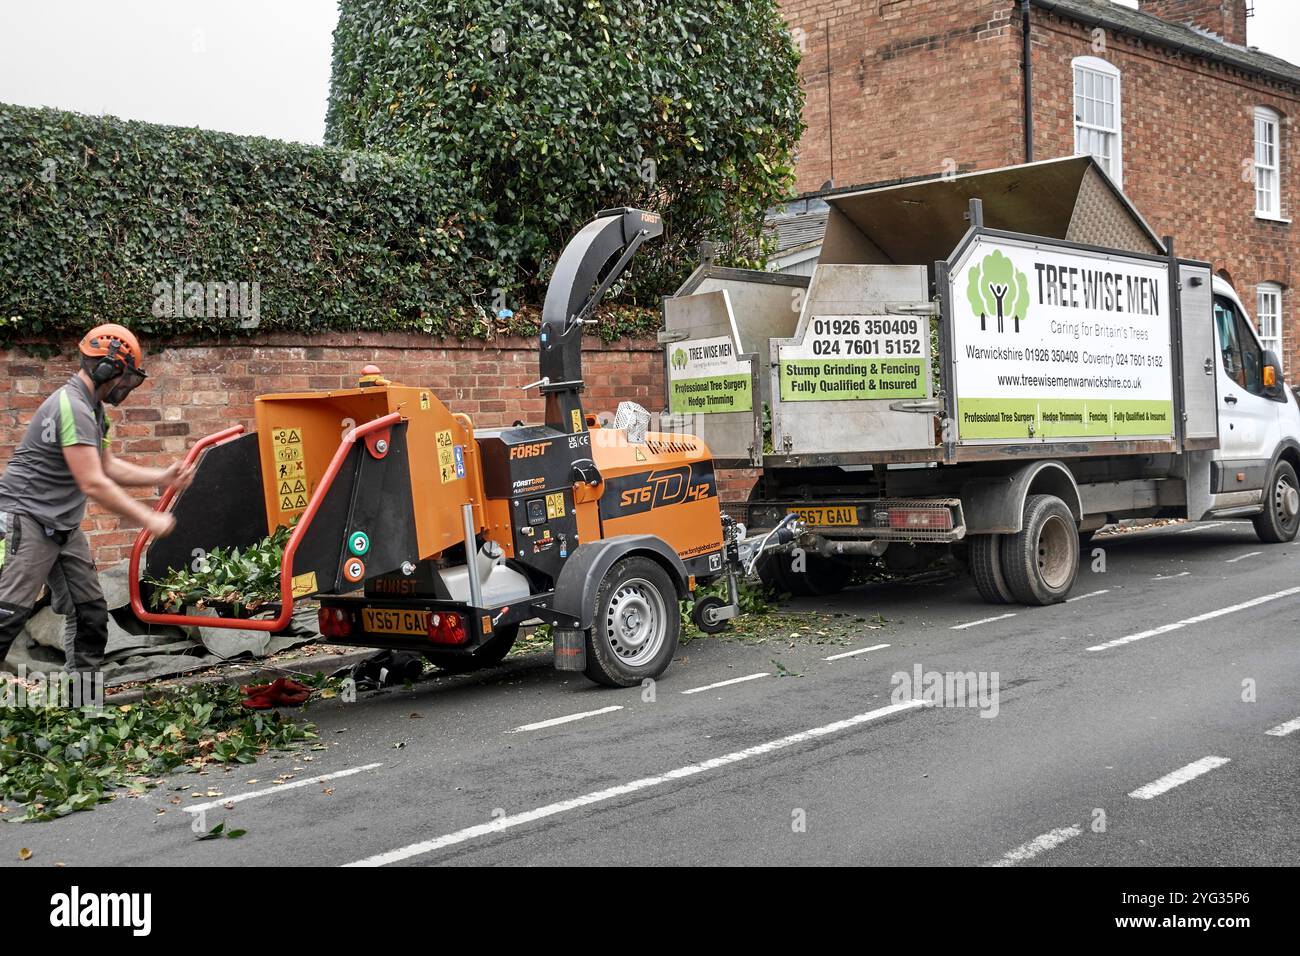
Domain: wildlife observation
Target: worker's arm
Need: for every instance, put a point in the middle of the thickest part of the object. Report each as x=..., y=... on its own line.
x=125, y=473
x=86, y=467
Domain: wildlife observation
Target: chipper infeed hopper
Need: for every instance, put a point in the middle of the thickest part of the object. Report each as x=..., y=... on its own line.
x=362, y=500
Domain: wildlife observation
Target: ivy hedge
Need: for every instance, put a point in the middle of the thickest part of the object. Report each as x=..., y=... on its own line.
x=471, y=139
x=101, y=219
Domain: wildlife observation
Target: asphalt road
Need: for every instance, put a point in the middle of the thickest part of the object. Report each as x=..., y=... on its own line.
x=1095, y=750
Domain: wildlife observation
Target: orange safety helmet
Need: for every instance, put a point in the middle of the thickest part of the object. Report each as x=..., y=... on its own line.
x=116, y=347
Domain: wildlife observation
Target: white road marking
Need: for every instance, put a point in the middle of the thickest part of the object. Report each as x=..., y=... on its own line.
x=984, y=620
x=1281, y=730
x=1201, y=527
x=1170, y=577
x=311, y=781
x=556, y=721
x=1178, y=777
x=1039, y=844
x=634, y=786
x=1243, y=557
x=860, y=650
x=1199, y=619
x=726, y=683
x=1083, y=597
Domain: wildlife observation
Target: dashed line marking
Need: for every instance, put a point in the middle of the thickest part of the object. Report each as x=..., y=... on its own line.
x=1039, y=844
x=1281, y=730
x=241, y=797
x=556, y=721
x=1170, y=577
x=1198, y=619
x=1243, y=557
x=1179, y=777
x=645, y=783
x=726, y=683
x=1201, y=527
x=983, y=620
x=1090, y=594
x=860, y=650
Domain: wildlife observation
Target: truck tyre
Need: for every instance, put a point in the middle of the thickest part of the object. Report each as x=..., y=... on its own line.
x=634, y=629
x=821, y=576
x=986, y=567
x=1085, y=539
x=1041, y=561
x=1280, y=518
x=492, y=652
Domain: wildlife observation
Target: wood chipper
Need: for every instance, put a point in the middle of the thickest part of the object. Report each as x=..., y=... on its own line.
x=416, y=531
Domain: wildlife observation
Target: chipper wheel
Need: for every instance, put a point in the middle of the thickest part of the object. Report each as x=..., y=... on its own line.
x=636, y=623
x=1041, y=561
x=491, y=653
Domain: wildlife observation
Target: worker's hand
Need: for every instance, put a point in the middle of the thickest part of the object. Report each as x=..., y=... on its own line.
x=160, y=524
x=178, y=475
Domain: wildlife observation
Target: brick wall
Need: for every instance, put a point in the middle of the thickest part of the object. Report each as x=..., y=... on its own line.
x=195, y=390
x=1188, y=147
x=905, y=88
x=917, y=87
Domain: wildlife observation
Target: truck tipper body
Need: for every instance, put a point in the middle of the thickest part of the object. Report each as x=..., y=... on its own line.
x=1002, y=361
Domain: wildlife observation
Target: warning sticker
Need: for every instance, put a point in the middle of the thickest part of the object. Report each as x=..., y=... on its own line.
x=446, y=456
x=575, y=418
x=424, y=401
x=555, y=505
x=290, y=470
x=304, y=584
x=460, y=461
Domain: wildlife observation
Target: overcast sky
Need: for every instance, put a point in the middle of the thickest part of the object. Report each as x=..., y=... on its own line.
x=242, y=66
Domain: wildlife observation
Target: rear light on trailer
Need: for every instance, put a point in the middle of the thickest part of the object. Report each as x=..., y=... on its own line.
x=920, y=519
x=446, y=628
x=334, y=622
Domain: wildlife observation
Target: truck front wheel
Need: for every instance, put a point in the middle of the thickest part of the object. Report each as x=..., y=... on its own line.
x=634, y=631
x=1280, y=518
x=1040, y=562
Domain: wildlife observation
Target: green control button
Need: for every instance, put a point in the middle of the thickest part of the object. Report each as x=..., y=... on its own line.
x=359, y=543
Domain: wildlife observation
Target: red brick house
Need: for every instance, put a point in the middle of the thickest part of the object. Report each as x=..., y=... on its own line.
x=1193, y=124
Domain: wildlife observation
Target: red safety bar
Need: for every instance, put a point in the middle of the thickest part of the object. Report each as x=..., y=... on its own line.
x=286, y=566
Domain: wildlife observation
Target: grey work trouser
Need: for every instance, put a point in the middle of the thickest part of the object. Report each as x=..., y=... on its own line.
x=30, y=553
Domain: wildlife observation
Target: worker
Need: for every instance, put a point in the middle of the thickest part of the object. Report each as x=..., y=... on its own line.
x=63, y=459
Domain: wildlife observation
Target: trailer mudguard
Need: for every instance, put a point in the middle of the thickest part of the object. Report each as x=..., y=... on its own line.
x=996, y=505
x=582, y=574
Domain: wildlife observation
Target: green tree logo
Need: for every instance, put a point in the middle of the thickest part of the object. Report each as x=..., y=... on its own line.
x=996, y=287
x=679, y=359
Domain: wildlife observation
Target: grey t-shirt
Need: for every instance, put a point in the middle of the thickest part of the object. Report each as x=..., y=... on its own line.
x=37, y=481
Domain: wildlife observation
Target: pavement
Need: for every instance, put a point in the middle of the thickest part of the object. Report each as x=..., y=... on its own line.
x=1130, y=726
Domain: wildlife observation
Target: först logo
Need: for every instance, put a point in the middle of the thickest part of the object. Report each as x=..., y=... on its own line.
x=995, y=287
x=528, y=451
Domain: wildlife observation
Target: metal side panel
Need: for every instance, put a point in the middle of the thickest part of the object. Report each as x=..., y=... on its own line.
x=1200, y=395
x=862, y=345
x=715, y=389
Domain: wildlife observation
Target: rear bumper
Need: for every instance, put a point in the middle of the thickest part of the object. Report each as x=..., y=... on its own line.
x=938, y=520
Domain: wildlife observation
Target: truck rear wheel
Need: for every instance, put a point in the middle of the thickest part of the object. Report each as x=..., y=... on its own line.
x=986, y=567
x=1280, y=518
x=1041, y=561
x=492, y=652
x=635, y=627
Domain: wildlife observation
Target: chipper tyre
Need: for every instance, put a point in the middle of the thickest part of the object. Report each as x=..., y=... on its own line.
x=1280, y=519
x=700, y=611
x=635, y=627
x=986, y=567
x=1041, y=561
x=491, y=653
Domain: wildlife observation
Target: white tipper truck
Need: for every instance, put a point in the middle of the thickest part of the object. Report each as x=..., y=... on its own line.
x=1001, y=363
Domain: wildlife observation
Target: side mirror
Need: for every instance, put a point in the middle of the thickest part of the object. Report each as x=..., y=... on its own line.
x=1272, y=375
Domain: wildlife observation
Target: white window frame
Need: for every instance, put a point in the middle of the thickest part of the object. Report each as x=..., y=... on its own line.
x=1268, y=174
x=1080, y=66
x=1268, y=316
